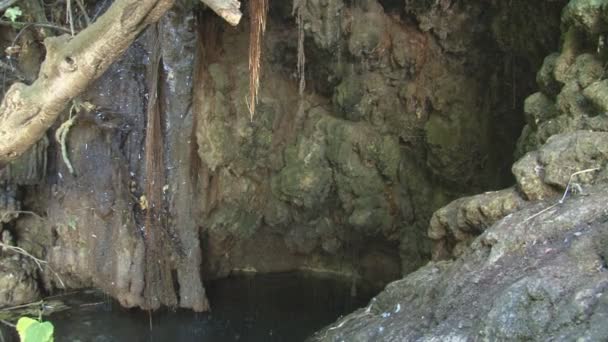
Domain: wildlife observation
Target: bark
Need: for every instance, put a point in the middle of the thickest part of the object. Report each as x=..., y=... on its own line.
x=72, y=63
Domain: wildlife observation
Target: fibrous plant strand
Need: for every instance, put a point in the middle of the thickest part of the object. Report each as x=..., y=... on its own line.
x=297, y=11
x=158, y=279
x=258, y=11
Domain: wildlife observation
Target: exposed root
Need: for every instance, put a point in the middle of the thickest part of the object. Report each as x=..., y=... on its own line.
x=258, y=11
x=60, y=136
x=62, y=132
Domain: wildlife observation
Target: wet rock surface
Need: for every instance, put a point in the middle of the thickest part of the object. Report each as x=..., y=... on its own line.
x=527, y=277
x=527, y=262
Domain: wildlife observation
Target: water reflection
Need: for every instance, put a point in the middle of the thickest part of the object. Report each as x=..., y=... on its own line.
x=278, y=307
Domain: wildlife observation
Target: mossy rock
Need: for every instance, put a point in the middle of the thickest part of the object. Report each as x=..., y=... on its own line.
x=306, y=178
x=589, y=15
x=597, y=93
x=538, y=108
x=232, y=220
x=545, y=78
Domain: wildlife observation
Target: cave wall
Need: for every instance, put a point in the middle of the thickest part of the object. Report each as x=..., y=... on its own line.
x=528, y=262
x=407, y=106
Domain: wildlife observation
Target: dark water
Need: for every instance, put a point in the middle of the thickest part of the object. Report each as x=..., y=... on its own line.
x=278, y=307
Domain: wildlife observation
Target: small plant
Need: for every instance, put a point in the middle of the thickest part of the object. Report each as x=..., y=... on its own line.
x=13, y=13
x=32, y=330
x=72, y=223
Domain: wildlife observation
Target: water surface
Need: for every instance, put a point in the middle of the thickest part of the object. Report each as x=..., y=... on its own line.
x=277, y=307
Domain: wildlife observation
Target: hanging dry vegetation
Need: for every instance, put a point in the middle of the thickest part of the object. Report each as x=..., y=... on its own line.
x=258, y=11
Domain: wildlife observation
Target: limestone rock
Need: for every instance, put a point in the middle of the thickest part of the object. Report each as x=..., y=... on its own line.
x=18, y=280
x=454, y=226
x=521, y=280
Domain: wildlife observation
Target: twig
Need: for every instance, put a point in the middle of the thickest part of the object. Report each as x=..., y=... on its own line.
x=51, y=26
x=12, y=69
x=4, y=4
x=91, y=304
x=566, y=192
x=84, y=12
x=7, y=323
x=38, y=262
x=6, y=215
x=22, y=251
x=68, y=15
x=27, y=305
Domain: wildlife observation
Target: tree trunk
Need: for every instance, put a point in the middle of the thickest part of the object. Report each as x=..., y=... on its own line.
x=72, y=63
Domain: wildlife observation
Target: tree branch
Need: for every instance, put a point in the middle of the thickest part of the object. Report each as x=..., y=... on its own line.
x=72, y=63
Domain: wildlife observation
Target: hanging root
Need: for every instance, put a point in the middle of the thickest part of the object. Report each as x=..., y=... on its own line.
x=62, y=132
x=61, y=135
x=258, y=11
x=297, y=11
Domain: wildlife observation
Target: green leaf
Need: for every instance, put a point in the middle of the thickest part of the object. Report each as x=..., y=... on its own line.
x=30, y=330
x=12, y=13
x=72, y=223
x=22, y=325
x=39, y=332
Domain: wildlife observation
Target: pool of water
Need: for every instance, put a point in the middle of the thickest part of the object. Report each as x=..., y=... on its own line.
x=276, y=307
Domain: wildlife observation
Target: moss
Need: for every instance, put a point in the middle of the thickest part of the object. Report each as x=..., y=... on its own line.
x=597, y=93
x=305, y=180
x=347, y=95
x=370, y=215
x=231, y=220
x=538, y=108
x=220, y=77
x=589, y=15
x=441, y=132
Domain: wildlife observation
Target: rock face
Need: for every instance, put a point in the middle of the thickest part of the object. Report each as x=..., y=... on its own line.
x=407, y=106
x=18, y=280
x=395, y=122
x=527, y=262
x=543, y=278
